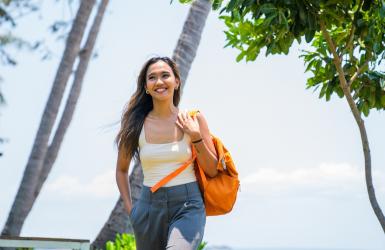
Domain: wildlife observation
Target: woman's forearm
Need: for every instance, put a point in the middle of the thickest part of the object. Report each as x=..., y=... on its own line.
x=207, y=159
x=122, y=181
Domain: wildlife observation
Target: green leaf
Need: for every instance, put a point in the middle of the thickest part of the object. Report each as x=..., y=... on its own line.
x=322, y=92
x=231, y=5
x=339, y=92
x=383, y=101
x=216, y=4
x=202, y=245
x=222, y=10
x=248, y=3
x=310, y=65
x=183, y=1
x=283, y=19
x=125, y=237
x=240, y=56
x=328, y=93
x=372, y=100
x=110, y=245
x=268, y=8
x=309, y=35
x=365, y=109
x=302, y=15
x=382, y=11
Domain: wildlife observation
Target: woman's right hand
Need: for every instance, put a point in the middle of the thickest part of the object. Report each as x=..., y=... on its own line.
x=122, y=180
x=128, y=207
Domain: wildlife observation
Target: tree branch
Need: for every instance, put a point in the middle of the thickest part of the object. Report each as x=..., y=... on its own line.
x=341, y=75
x=332, y=48
x=349, y=42
x=358, y=72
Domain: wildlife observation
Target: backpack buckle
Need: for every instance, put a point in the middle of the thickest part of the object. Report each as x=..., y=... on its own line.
x=223, y=163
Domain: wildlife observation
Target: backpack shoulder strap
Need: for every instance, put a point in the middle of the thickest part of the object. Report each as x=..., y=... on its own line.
x=169, y=177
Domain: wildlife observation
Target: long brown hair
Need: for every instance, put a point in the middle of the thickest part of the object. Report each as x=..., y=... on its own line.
x=138, y=108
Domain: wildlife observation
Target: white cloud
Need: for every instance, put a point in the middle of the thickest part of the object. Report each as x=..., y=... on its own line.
x=102, y=185
x=325, y=179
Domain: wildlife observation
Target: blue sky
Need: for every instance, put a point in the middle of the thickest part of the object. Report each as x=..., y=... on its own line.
x=299, y=158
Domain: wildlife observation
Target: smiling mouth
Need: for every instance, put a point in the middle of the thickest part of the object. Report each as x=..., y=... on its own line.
x=160, y=90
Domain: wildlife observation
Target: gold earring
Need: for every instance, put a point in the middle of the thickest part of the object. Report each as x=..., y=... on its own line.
x=147, y=92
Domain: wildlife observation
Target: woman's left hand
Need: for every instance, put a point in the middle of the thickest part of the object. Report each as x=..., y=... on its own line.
x=189, y=125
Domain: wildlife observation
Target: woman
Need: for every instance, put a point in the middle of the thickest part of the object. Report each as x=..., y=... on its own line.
x=154, y=130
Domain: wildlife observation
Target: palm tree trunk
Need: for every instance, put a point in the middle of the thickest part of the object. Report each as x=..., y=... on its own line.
x=25, y=195
x=184, y=54
x=187, y=45
x=84, y=59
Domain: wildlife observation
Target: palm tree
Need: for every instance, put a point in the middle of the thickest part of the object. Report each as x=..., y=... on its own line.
x=24, y=199
x=84, y=58
x=188, y=42
x=184, y=54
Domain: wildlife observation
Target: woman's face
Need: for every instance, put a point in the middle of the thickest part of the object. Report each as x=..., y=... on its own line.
x=161, y=81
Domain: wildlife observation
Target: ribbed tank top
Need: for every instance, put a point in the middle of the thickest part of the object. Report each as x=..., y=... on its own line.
x=160, y=159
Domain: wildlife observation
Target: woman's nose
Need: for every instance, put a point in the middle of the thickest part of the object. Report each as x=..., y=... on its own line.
x=159, y=81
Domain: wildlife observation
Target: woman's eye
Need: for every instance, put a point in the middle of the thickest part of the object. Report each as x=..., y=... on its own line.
x=166, y=75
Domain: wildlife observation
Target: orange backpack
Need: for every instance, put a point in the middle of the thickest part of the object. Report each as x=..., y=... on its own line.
x=220, y=192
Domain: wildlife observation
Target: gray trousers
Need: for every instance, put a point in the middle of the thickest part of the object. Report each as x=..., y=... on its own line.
x=172, y=218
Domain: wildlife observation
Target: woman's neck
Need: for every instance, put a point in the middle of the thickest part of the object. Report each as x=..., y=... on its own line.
x=163, y=110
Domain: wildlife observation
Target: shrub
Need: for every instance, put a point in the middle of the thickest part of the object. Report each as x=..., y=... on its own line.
x=122, y=242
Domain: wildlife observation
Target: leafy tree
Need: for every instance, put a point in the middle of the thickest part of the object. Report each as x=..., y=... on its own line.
x=348, y=45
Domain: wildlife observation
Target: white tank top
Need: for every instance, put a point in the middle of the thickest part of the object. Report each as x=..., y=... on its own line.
x=160, y=159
